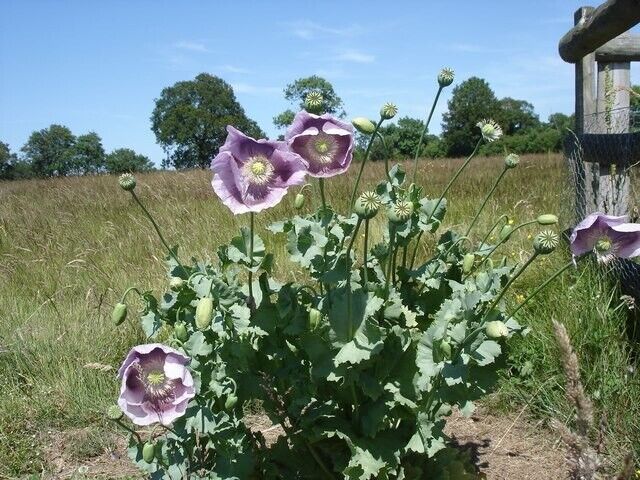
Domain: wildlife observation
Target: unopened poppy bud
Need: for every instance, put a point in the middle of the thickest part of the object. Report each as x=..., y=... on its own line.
x=445, y=348
x=119, y=314
x=496, y=329
x=547, y=219
x=114, y=413
x=445, y=77
x=545, y=242
x=314, y=318
x=176, y=283
x=511, y=161
x=204, y=313
x=467, y=262
x=367, y=205
x=127, y=182
x=364, y=125
x=148, y=452
x=388, y=111
x=230, y=402
x=400, y=211
x=298, y=203
x=180, y=331
x=505, y=233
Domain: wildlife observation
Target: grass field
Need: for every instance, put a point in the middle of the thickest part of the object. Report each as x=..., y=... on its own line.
x=69, y=247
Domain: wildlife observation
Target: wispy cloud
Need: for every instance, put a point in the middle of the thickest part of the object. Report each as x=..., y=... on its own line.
x=355, y=56
x=254, y=89
x=191, y=46
x=233, y=69
x=308, y=30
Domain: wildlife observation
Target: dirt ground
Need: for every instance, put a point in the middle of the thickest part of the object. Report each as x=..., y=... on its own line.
x=504, y=447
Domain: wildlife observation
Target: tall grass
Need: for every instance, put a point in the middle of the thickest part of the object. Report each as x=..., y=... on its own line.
x=70, y=246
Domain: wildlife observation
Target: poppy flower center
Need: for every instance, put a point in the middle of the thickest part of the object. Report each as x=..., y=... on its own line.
x=258, y=170
x=322, y=149
x=155, y=378
x=603, y=245
x=322, y=146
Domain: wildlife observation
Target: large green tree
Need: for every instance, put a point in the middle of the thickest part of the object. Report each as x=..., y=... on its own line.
x=516, y=116
x=190, y=119
x=297, y=91
x=87, y=155
x=7, y=161
x=50, y=151
x=471, y=101
x=125, y=160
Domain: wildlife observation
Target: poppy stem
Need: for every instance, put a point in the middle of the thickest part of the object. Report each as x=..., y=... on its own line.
x=364, y=161
x=251, y=228
x=423, y=133
x=486, y=199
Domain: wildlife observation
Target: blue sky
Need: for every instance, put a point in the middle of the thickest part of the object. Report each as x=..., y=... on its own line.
x=98, y=65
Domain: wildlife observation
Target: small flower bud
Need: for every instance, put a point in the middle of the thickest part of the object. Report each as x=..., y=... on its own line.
x=230, y=402
x=148, y=452
x=176, y=283
x=445, y=348
x=180, y=331
x=547, y=219
x=364, y=125
x=511, y=161
x=314, y=318
x=119, y=314
x=313, y=102
x=204, y=313
x=467, y=262
x=298, y=203
x=367, y=205
x=545, y=242
x=400, y=211
x=114, y=413
x=445, y=77
x=505, y=233
x=127, y=182
x=496, y=329
x=388, y=111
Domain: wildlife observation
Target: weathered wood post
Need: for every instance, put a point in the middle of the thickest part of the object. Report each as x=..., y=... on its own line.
x=601, y=182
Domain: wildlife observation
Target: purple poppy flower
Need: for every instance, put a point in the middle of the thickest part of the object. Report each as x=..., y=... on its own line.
x=156, y=384
x=324, y=142
x=251, y=175
x=607, y=236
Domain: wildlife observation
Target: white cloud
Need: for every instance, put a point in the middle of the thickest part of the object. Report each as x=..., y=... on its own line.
x=234, y=69
x=254, y=89
x=308, y=30
x=355, y=56
x=191, y=46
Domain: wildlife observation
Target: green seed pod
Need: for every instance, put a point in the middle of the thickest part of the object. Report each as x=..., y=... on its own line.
x=496, y=329
x=230, y=402
x=176, y=283
x=204, y=313
x=298, y=203
x=148, y=452
x=364, y=125
x=114, y=412
x=545, y=242
x=127, y=182
x=445, y=348
x=511, y=160
x=119, y=314
x=547, y=219
x=180, y=331
x=314, y=318
x=467, y=262
x=445, y=77
x=388, y=111
x=313, y=102
x=505, y=233
x=367, y=205
x=489, y=264
x=400, y=211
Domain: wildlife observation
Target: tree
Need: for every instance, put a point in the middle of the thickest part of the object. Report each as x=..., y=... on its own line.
x=562, y=122
x=297, y=91
x=49, y=151
x=7, y=161
x=87, y=155
x=125, y=160
x=190, y=119
x=516, y=116
x=471, y=101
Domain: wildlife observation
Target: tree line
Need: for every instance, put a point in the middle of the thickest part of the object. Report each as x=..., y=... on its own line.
x=190, y=118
